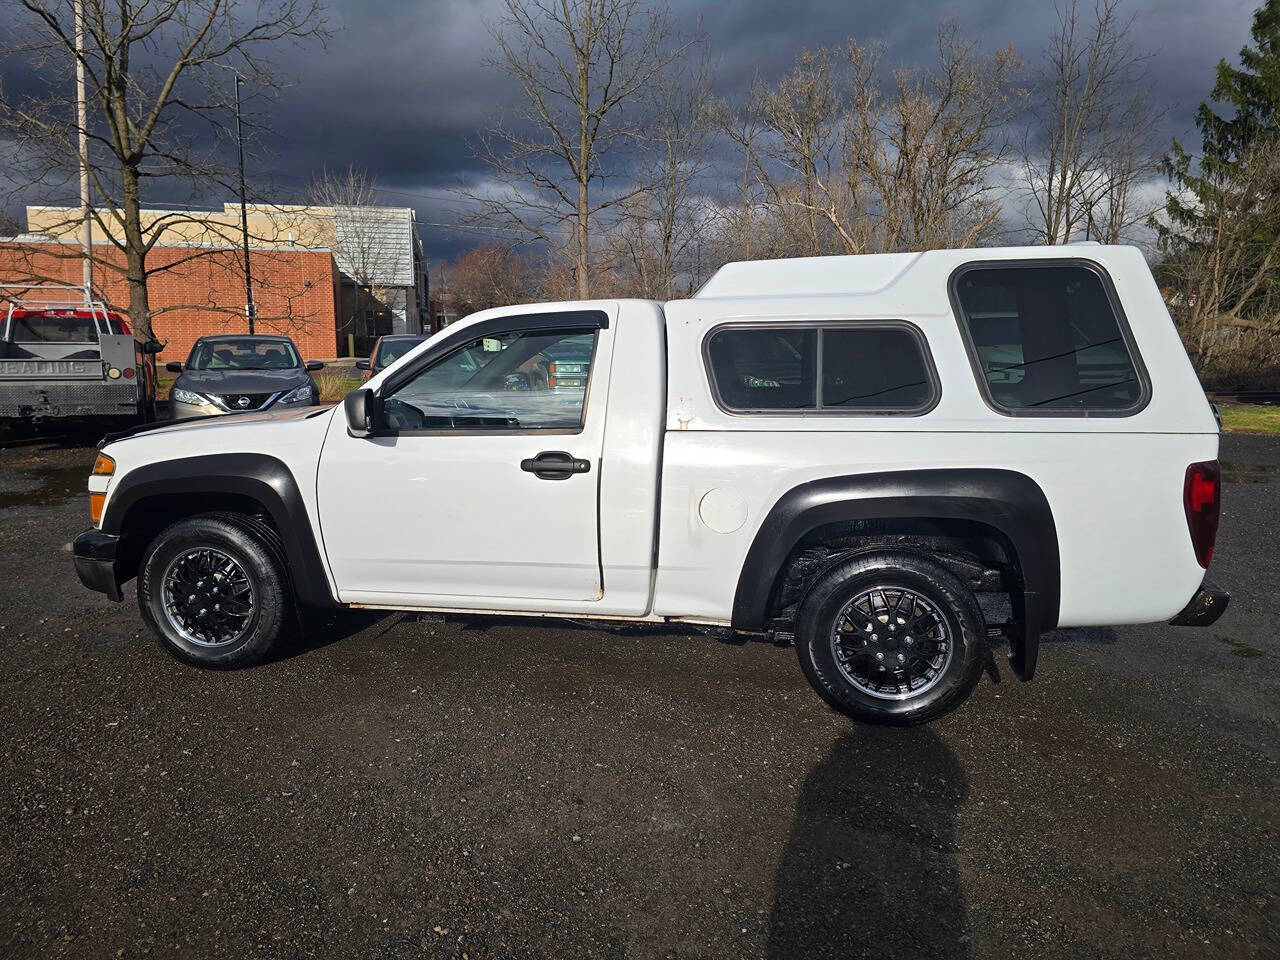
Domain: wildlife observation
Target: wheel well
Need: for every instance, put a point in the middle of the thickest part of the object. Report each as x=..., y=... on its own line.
x=146, y=518
x=979, y=554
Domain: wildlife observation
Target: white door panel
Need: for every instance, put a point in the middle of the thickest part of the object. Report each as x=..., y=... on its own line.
x=442, y=512
x=456, y=516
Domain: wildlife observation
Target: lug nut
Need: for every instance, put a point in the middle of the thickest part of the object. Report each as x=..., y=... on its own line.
x=879, y=656
x=901, y=658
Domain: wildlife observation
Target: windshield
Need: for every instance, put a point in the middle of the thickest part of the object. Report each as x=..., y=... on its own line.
x=246, y=354
x=392, y=350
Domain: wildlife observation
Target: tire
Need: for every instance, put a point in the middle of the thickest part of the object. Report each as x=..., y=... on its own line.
x=222, y=562
x=858, y=595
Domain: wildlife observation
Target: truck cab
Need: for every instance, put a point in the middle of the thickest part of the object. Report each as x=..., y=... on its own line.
x=870, y=456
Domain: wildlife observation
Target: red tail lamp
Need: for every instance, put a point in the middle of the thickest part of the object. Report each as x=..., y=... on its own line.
x=1202, y=500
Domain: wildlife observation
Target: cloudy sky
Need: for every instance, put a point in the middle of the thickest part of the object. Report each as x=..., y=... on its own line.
x=403, y=84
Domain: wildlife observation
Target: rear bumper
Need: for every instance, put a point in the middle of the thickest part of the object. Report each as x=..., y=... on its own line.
x=95, y=555
x=1205, y=607
x=88, y=398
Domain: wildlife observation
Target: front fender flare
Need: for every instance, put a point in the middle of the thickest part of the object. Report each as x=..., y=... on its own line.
x=262, y=478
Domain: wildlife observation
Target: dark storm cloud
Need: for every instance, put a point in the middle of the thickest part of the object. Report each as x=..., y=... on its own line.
x=402, y=86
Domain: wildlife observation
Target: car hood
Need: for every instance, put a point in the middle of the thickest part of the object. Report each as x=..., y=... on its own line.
x=241, y=381
x=192, y=424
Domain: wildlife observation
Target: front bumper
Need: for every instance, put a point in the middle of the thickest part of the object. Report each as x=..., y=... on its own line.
x=1205, y=607
x=95, y=556
x=188, y=411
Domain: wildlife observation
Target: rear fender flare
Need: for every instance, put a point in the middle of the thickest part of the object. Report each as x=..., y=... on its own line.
x=1011, y=503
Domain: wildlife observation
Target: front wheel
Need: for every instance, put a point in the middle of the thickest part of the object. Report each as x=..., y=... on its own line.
x=891, y=638
x=213, y=593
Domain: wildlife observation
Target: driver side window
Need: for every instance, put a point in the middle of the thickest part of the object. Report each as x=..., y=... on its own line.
x=535, y=380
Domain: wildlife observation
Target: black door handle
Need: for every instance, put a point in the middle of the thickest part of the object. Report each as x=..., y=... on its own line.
x=555, y=465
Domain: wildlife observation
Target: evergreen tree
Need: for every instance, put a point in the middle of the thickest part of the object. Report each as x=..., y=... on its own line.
x=1221, y=232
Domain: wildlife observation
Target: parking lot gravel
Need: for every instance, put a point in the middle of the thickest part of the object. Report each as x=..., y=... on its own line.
x=396, y=786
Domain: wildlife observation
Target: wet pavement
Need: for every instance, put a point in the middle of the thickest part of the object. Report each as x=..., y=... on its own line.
x=401, y=787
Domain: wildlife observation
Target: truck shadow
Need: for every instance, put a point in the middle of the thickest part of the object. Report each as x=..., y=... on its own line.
x=322, y=628
x=869, y=869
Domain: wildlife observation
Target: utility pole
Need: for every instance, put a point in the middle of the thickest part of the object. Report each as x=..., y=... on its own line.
x=86, y=222
x=250, y=311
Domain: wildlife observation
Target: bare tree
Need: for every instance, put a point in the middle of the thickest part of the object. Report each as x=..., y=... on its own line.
x=658, y=238
x=364, y=247
x=584, y=68
x=1090, y=137
x=158, y=110
x=924, y=156
x=490, y=275
x=848, y=169
x=798, y=158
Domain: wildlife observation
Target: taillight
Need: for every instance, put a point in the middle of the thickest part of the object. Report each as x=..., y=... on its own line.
x=1202, y=499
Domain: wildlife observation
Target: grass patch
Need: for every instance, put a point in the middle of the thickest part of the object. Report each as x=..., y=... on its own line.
x=1250, y=418
x=335, y=385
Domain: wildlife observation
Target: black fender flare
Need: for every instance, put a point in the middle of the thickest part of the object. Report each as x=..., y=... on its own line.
x=257, y=476
x=1010, y=502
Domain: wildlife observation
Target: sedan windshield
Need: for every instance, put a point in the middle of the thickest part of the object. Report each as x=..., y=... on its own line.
x=246, y=354
x=392, y=350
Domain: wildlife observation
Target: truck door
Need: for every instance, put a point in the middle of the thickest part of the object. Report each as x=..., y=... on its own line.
x=481, y=483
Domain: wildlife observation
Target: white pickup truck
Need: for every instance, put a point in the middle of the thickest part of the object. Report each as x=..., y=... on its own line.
x=850, y=451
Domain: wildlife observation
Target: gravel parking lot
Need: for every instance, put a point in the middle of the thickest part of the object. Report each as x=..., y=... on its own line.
x=404, y=787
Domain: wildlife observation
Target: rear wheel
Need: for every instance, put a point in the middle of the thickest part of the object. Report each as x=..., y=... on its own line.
x=891, y=638
x=213, y=592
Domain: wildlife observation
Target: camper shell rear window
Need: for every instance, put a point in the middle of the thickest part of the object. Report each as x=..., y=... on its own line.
x=1048, y=338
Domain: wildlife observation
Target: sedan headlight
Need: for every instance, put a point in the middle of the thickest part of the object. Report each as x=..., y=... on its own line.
x=302, y=394
x=188, y=396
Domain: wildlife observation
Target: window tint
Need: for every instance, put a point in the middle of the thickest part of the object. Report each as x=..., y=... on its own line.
x=1046, y=339
x=499, y=382
x=52, y=328
x=868, y=367
x=764, y=369
x=874, y=368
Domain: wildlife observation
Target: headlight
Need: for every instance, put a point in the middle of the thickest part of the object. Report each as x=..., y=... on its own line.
x=300, y=394
x=187, y=396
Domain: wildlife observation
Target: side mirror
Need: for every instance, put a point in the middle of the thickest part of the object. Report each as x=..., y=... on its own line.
x=173, y=366
x=363, y=365
x=360, y=406
x=152, y=347
x=315, y=364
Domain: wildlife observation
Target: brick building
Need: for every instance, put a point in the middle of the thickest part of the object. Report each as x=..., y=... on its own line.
x=333, y=278
x=296, y=291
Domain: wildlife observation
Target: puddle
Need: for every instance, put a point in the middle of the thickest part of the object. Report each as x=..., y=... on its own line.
x=1249, y=472
x=1240, y=649
x=45, y=484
